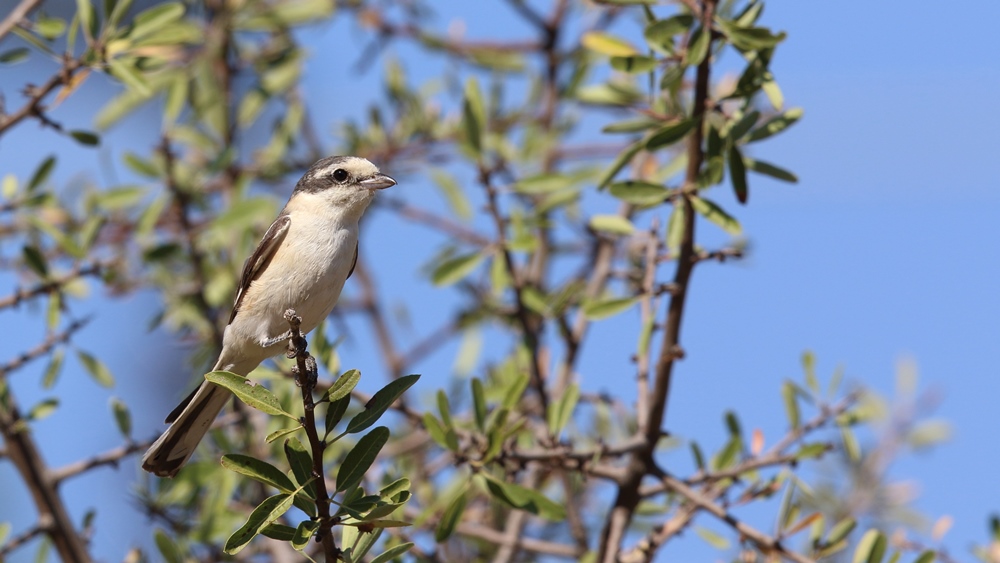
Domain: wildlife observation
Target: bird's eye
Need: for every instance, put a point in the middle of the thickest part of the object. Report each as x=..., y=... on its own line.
x=340, y=175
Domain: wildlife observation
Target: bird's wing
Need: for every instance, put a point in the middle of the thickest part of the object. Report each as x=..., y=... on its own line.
x=354, y=262
x=260, y=258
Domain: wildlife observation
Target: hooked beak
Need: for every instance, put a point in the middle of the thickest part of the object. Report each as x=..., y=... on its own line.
x=378, y=182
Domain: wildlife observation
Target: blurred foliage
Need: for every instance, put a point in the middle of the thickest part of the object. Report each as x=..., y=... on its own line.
x=575, y=165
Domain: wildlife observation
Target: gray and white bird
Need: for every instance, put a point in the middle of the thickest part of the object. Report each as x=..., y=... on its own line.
x=301, y=263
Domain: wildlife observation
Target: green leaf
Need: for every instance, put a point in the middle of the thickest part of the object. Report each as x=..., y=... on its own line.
x=122, y=416
x=526, y=499
x=96, y=369
x=54, y=368
x=928, y=556
x=750, y=38
x=155, y=18
x=265, y=514
x=776, y=125
x=453, y=194
x=270, y=438
x=392, y=553
x=438, y=432
x=360, y=458
x=41, y=173
x=258, y=470
x=620, y=162
x=15, y=55
x=301, y=463
x=129, y=76
x=811, y=451
x=670, y=134
x=167, y=548
x=335, y=412
x=711, y=538
x=34, y=259
x=380, y=402
x=85, y=138
x=675, y=228
x=479, y=403
x=303, y=533
x=343, y=386
x=791, y=404
x=607, y=44
x=871, y=548
x=631, y=125
x=141, y=166
x=697, y=48
x=563, y=411
x=742, y=125
x=841, y=530
x=450, y=519
x=929, y=433
x=454, y=269
x=638, y=192
x=634, y=64
x=85, y=12
x=717, y=215
x=42, y=409
x=850, y=443
x=771, y=170
x=738, y=171
x=473, y=116
x=660, y=34
x=614, y=224
x=602, y=309
x=256, y=396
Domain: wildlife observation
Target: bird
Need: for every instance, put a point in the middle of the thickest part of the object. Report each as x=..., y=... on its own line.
x=301, y=263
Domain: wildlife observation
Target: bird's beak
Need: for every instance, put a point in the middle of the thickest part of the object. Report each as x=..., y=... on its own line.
x=378, y=182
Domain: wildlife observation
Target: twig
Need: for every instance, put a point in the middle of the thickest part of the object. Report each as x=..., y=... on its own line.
x=764, y=542
x=15, y=16
x=305, y=377
x=21, y=295
x=33, y=107
x=44, y=348
x=111, y=457
x=17, y=541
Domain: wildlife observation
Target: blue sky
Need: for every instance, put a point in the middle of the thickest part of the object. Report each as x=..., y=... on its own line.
x=885, y=251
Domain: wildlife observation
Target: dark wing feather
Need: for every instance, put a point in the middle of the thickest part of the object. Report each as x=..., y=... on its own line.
x=260, y=257
x=354, y=263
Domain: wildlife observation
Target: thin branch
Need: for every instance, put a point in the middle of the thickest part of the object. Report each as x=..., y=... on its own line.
x=44, y=348
x=21, y=295
x=111, y=457
x=437, y=222
x=305, y=377
x=764, y=542
x=36, y=94
x=15, y=16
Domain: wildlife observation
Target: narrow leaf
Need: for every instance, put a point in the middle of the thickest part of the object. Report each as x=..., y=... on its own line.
x=360, y=458
x=450, y=519
x=343, y=386
x=597, y=310
x=265, y=514
x=454, y=269
x=96, y=369
x=256, y=396
x=526, y=499
x=717, y=215
x=259, y=470
x=380, y=402
x=738, y=171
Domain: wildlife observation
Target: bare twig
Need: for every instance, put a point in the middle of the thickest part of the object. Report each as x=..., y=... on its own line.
x=21, y=295
x=111, y=457
x=44, y=348
x=15, y=16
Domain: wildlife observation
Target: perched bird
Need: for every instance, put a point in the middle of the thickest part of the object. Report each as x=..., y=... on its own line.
x=301, y=263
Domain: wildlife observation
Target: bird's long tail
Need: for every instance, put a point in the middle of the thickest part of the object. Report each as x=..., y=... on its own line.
x=190, y=422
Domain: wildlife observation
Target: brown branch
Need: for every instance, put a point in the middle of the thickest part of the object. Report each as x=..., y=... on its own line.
x=42, y=349
x=111, y=457
x=764, y=542
x=642, y=462
x=529, y=544
x=15, y=16
x=21, y=295
x=53, y=517
x=33, y=107
x=17, y=541
x=305, y=378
